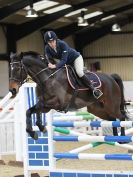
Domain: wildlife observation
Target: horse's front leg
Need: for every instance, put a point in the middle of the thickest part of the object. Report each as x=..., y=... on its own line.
x=29, y=128
x=41, y=127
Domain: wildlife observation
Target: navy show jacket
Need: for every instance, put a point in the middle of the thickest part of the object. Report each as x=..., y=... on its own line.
x=63, y=52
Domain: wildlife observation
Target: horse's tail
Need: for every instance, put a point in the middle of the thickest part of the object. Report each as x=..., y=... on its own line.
x=119, y=81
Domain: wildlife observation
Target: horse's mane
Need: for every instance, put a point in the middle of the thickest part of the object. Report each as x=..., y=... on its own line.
x=33, y=53
x=33, y=56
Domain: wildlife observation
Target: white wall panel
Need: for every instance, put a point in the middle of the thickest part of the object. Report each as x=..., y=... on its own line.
x=4, y=78
x=32, y=42
x=70, y=41
x=110, y=46
x=123, y=67
x=2, y=41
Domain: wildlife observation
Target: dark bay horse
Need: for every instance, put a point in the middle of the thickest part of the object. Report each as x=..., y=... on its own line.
x=55, y=92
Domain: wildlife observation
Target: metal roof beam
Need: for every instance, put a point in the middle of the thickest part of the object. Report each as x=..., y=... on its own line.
x=72, y=28
x=111, y=12
x=67, y=30
x=95, y=33
x=33, y=25
x=8, y=10
x=4, y=56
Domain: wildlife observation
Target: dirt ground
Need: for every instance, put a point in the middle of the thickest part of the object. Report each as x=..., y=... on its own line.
x=10, y=171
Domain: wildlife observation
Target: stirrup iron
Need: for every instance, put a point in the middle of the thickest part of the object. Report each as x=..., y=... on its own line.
x=100, y=93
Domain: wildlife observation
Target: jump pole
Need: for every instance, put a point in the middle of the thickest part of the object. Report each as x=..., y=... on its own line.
x=93, y=123
x=8, y=106
x=34, y=164
x=5, y=99
x=66, y=173
x=91, y=145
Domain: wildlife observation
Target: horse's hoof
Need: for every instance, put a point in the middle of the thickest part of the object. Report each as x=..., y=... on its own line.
x=44, y=130
x=35, y=136
x=123, y=142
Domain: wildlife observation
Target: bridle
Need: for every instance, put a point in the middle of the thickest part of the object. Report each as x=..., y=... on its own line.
x=22, y=72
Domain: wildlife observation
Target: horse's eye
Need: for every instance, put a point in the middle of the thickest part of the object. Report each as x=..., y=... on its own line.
x=15, y=68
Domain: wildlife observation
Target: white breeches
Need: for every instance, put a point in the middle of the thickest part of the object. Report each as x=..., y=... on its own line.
x=79, y=65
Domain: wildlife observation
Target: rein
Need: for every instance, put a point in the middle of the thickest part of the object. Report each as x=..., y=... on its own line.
x=23, y=69
x=21, y=66
x=51, y=75
x=40, y=72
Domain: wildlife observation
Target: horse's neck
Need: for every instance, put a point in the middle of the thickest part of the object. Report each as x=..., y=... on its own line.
x=40, y=75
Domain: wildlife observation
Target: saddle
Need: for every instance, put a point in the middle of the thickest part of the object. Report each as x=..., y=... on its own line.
x=75, y=81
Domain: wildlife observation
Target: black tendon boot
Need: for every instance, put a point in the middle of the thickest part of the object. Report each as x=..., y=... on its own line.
x=96, y=92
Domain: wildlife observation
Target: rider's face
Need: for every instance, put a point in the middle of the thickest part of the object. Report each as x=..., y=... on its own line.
x=52, y=44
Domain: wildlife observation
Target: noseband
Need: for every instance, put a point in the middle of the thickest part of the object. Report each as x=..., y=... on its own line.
x=22, y=71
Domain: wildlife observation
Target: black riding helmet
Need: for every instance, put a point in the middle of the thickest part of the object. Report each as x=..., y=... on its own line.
x=49, y=36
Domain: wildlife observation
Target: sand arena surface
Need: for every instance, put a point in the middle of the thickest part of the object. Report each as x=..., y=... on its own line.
x=10, y=171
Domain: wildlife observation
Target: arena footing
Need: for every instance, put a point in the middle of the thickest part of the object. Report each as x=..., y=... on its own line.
x=32, y=175
x=130, y=151
x=15, y=163
x=2, y=162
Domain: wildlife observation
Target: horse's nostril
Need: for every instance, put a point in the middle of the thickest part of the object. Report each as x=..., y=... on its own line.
x=13, y=90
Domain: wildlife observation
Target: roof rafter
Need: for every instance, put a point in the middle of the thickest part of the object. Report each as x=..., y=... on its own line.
x=74, y=28
x=111, y=12
x=33, y=25
x=95, y=33
x=8, y=10
x=67, y=30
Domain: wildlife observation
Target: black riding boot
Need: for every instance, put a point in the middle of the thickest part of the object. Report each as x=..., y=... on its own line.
x=96, y=92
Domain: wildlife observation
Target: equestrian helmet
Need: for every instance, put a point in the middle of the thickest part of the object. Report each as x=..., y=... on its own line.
x=50, y=36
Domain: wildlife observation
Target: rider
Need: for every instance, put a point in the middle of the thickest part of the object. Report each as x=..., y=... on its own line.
x=59, y=49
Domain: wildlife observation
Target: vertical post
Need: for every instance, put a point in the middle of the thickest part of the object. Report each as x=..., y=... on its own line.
x=24, y=134
x=11, y=38
x=6, y=98
x=49, y=119
x=17, y=131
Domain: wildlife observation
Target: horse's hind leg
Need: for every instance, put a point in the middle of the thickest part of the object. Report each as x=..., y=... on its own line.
x=123, y=128
x=114, y=113
x=115, y=131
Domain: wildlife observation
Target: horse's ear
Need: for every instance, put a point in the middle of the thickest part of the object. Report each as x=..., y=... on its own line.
x=12, y=55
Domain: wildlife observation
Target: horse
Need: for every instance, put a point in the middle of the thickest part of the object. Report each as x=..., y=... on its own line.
x=55, y=92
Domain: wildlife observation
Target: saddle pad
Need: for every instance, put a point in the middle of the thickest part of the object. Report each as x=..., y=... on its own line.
x=95, y=80
x=75, y=81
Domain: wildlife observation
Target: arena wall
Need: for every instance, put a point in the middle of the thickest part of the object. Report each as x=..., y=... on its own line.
x=114, y=52
x=3, y=41
x=3, y=66
x=32, y=42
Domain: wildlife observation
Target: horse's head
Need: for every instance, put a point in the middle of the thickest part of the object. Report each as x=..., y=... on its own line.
x=17, y=71
x=27, y=63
